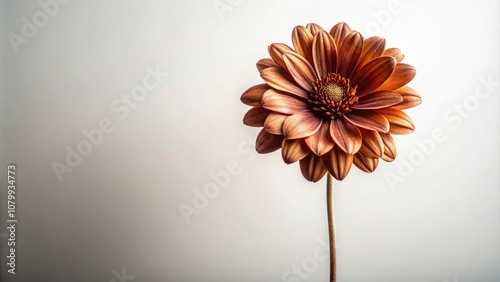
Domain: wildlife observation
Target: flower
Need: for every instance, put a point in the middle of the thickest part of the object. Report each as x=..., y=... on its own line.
x=331, y=102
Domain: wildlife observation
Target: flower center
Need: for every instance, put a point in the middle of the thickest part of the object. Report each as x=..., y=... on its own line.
x=332, y=96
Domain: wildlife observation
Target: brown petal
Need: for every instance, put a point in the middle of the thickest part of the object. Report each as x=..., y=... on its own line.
x=339, y=32
x=364, y=163
x=282, y=103
x=255, y=117
x=274, y=123
x=302, y=40
x=389, y=147
x=349, y=53
x=301, y=125
x=368, y=120
x=321, y=142
x=276, y=50
x=280, y=80
x=312, y=168
x=372, y=146
x=394, y=52
x=411, y=98
x=294, y=150
x=253, y=95
x=346, y=135
x=324, y=54
x=265, y=63
x=373, y=74
x=314, y=28
x=402, y=74
x=372, y=48
x=378, y=100
x=267, y=142
x=400, y=123
x=337, y=162
x=301, y=70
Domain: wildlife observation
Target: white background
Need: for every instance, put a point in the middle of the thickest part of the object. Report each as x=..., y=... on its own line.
x=117, y=215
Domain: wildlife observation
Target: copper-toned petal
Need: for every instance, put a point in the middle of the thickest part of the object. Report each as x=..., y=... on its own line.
x=337, y=162
x=302, y=40
x=312, y=168
x=282, y=103
x=274, y=123
x=372, y=48
x=411, y=98
x=324, y=54
x=402, y=74
x=394, y=52
x=378, y=100
x=321, y=142
x=373, y=74
x=280, y=80
x=389, y=147
x=364, y=163
x=368, y=120
x=256, y=117
x=339, y=32
x=276, y=50
x=314, y=28
x=267, y=142
x=346, y=135
x=372, y=146
x=253, y=95
x=301, y=125
x=400, y=123
x=265, y=63
x=349, y=53
x=300, y=69
x=294, y=150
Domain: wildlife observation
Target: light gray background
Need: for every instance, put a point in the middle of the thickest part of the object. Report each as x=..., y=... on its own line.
x=118, y=211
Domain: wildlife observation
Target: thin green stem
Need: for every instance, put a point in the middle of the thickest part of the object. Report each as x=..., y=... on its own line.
x=331, y=228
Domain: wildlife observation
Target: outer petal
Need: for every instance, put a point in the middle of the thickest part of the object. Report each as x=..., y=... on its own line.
x=312, y=168
x=372, y=48
x=282, y=103
x=302, y=40
x=346, y=135
x=301, y=125
x=402, y=74
x=368, y=120
x=294, y=150
x=373, y=74
x=324, y=54
x=372, y=146
x=349, y=53
x=276, y=50
x=400, y=123
x=411, y=98
x=394, y=52
x=389, y=147
x=364, y=163
x=314, y=28
x=378, y=100
x=267, y=142
x=280, y=80
x=337, y=162
x=301, y=70
x=274, y=123
x=321, y=142
x=255, y=117
x=253, y=95
x=339, y=32
x=265, y=63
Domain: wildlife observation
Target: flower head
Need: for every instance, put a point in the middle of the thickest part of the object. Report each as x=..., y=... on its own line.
x=332, y=101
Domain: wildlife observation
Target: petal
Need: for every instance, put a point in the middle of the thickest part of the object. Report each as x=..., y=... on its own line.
x=378, y=100
x=389, y=147
x=411, y=98
x=372, y=146
x=312, y=168
x=364, y=163
x=394, y=52
x=400, y=123
x=402, y=74
x=282, y=103
x=294, y=150
x=349, y=53
x=256, y=117
x=337, y=162
x=372, y=48
x=339, y=32
x=373, y=74
x=276, y=50
x=321, y=142
x=280, y=80
x=346, y=135
x=301, y=125
x=267, y=142
x=302, y=40
x=265, y=63
x=324, y=54
x=274, y=123
x=253, y=95
x=301, y=70
x=368, y=120
x=314, y=28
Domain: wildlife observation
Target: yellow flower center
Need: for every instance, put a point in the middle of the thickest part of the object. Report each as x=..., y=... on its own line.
x=334, y=91
x=332, y=96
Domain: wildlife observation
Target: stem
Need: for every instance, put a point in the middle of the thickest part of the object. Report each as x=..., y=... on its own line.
x=331, y=228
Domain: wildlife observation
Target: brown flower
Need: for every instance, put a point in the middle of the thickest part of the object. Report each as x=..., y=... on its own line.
x=332, y=101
